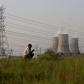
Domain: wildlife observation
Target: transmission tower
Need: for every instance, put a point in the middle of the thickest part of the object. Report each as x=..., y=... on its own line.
x=3, y=38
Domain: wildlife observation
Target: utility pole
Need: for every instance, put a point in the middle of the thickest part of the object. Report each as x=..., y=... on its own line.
x=3, y=39
x=40, y=52
x=36, y=49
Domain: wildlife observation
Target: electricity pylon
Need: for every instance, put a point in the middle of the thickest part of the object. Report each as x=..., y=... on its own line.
x=3, y=39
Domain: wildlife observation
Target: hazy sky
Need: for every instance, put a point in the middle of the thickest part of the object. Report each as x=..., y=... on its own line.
x=66, y=15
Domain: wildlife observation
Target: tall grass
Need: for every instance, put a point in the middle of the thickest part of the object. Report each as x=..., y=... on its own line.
x=44, y=70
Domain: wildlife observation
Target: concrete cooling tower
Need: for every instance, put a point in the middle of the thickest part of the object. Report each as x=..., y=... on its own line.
x=74, y=46
x=63, y=43
x=55, y=44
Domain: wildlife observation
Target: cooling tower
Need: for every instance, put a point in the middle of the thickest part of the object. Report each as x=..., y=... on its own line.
x=63, y=44
x=74, y=46
x=55, y=44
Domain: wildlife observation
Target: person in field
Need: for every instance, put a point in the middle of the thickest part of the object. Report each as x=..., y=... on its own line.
x=28, y=53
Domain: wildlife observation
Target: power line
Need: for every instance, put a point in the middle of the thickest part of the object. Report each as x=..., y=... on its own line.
x=44, y=30
x=26, y=34
x=20, y=39
x=32, y=26
x=29, y=29
x=33, y=21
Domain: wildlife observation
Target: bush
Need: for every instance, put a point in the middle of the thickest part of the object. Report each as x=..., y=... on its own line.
x=48, y=55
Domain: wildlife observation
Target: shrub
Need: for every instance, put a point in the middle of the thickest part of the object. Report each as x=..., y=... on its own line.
x=48, y=55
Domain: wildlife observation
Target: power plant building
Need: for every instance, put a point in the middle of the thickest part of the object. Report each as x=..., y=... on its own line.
x=55, y=44
x=74, y=46
x=63, y=43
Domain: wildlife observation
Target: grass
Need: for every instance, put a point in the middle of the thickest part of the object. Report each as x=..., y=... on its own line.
x=44, y=70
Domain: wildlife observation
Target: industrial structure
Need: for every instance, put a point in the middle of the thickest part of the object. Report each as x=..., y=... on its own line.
x=63, y=43
x=74, y=46
x=55, y=44
x=3, y=38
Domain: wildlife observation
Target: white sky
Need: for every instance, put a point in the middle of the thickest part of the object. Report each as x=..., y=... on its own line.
x=66, y=15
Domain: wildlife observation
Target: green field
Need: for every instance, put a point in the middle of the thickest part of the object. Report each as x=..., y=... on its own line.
x=44, y=70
